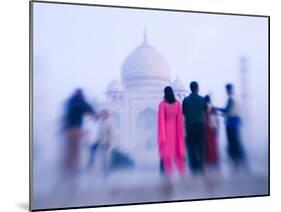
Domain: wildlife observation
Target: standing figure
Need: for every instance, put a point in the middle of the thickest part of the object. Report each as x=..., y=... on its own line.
x=233, y=122
x=170, y=133
x=103, y=144
x=211, y=131
x=194, y=107
x=75, y=110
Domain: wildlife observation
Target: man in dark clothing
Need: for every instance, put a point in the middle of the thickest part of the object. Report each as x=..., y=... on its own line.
x=76, y=108
x=193, y=108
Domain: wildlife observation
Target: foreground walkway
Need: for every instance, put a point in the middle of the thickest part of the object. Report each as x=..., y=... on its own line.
x=137, y=185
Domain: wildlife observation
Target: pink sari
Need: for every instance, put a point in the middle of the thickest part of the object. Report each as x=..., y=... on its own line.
x=171, y=136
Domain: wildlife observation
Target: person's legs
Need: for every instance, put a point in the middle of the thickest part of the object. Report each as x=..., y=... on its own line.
x=196, y=163
x=229, y=135
x=93, y=150
x=201, y=145
x=240, y=156
x=105, y=159
x=234, y=148
x=168, y=167
x=197, y=147
x=233, y=144
x=191, y=147
x=180, y=164
x=71, y=171
x=73, y=148
x=212, y=147
x=162, y=170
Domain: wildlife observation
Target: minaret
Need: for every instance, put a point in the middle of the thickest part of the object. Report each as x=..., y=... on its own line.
x=245, y=98
x=145, y=42
x=179, y=89
x=243, y=69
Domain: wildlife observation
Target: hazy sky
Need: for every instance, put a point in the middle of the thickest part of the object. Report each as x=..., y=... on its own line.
x=85, y=46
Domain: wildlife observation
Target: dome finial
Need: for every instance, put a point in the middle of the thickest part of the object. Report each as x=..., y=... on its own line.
x=144, y=36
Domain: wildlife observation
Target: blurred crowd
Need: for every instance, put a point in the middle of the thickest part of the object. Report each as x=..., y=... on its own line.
x=187, y=135
x=188, y=132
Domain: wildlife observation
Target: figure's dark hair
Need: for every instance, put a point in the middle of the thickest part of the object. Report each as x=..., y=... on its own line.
x=193, y=86
x=169, y=94
x=207, y=98
x=229, y=86
x=78, y=94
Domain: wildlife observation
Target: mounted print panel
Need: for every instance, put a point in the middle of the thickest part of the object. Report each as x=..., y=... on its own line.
x=139, y=105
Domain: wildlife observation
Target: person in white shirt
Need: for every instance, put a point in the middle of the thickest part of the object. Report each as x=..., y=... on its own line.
x=233, y=123
x=103, y=144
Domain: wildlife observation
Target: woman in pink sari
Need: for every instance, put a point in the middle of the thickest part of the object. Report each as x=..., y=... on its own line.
x=170, y=133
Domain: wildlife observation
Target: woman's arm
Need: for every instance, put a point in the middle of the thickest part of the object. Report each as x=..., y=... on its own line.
x=161, y=128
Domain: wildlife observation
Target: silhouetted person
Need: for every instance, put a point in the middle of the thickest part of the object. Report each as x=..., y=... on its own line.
x=211, y=132
x=171, y=144
x=76, y=108
x=104, y=141
x=193, y=108
x=233, y=123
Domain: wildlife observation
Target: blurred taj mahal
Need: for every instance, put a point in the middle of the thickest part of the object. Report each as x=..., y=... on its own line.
x=134, y=101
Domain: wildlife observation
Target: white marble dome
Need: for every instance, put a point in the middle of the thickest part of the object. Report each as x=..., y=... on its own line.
x=114, y=87
x=178, y=85
x=145, y=65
